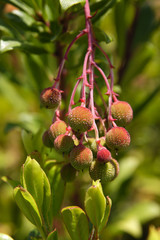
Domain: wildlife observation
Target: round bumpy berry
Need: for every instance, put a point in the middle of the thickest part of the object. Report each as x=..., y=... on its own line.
x=56, y=129
x=50, y=97
x=46, y=140
x=81, y=157
x=80, y=119
x=103, y=155
x=122, y=112
x=63, y=143
x=105, y=172
x=68, y=173
x=93, y=145
x=117, y=138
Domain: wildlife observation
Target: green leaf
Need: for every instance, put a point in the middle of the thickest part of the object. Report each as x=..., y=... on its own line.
x=52, y=10
x=36, y=182
x=57, y=190
x=106, y=214
x=101, y=36
x=76, y=222
x=10, y=181
x=53, y=235
x=28, y=206
x=95, y=199
x=5, y=237
x=65, y=4
x=21, y=5
x=154, y=234
x=8, y=45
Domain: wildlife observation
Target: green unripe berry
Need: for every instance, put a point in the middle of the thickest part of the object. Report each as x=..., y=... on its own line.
x=56, y=129
x=105, y=172
x=68, y=173
x=63, y=143
x=80, y=119
x=117, y=138
x=46, y=140
x=122, y=112
x=81, y=157
x=50, y=97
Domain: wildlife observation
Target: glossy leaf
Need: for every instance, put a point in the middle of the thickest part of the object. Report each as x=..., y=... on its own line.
x=36, y=182
x=53, y=235
x=5, y=237
x=57, y=190
x=101, y=36
x=106, y=214
x=76, y=223
x=8, y=45
x=65, y=4
x=95, y=199
x=10, y=181
x=28, y=206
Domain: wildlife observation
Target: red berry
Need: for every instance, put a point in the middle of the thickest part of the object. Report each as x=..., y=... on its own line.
x=50, y=97
x=103, y=155
x=122, y=112
x=81, y=157
x=117, y=138
x=80, y=119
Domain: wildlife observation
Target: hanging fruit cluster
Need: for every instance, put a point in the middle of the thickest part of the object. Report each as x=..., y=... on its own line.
x=73, y=137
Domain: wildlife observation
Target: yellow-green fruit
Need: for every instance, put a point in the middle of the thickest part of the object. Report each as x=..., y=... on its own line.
x=106, y=172
x=80, y=119
x=122, y=112
x=56, y=129
x=117, y=138
x=63, y=143
x=68, y=173
x=81, y=157
x=46, y=140
x=50, y=97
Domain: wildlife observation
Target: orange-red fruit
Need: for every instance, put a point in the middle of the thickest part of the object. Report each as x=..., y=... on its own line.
x=63, y=143
x=46, y=140
x=50, y=97
x=80, y=119
x=103, y=155
x=122, y=112
x=56, y=129
x=117, y=138
x=81, y=157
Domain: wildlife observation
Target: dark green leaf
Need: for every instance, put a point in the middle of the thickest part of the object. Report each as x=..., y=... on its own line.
x=101, y=36
x=76, y=223
x=53, y=235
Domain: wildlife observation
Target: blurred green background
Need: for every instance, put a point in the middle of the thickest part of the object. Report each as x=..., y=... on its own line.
x=34, y=36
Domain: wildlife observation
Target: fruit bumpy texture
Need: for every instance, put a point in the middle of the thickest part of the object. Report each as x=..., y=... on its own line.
x=63, y=143
x=106, y=172
x=80, y=119
x=117, y=138
x=56, y=129
x=91, y=129
x=50, y=97
x=81, y=157
x=122, y=112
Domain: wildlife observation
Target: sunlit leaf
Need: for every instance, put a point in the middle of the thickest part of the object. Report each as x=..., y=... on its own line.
x=65, y=4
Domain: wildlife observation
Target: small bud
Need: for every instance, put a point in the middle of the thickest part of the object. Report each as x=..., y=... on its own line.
x=36, y=155
x=81, y=157
x=80, y=119
x=50, y=97
x=117, y=138
x=63, y=143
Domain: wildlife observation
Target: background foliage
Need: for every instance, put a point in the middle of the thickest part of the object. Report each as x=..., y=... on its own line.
x=34, y=36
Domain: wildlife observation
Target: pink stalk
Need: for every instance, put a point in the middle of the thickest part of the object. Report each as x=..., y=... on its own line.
x=91, y=59
x=73, y=94
x=85, y=82
x=57, y=79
